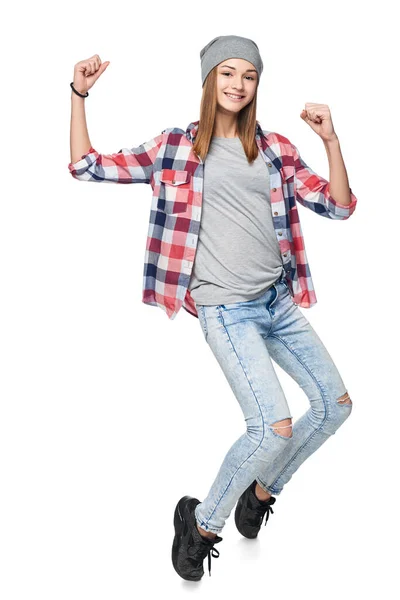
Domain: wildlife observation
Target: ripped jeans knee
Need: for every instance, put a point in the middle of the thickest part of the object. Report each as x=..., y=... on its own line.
x=345, y=399
x=282, y=429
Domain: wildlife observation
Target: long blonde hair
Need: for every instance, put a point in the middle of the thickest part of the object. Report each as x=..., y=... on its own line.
x=246, y=121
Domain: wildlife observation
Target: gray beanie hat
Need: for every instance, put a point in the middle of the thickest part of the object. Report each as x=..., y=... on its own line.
x=229, y=46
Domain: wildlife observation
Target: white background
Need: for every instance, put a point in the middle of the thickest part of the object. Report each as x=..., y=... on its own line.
x=110, y=412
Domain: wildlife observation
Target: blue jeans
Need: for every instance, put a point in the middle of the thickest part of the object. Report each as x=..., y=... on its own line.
x=244, y=337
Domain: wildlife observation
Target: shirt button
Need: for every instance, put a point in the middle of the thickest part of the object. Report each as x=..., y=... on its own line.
x=269, y=164
x=279, y=232
x=275, y=213
x=274, y=189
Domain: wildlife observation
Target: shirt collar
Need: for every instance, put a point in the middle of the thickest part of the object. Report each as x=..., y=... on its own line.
x=193, y=127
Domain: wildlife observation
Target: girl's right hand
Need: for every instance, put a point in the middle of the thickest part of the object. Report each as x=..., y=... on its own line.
x=87, y=72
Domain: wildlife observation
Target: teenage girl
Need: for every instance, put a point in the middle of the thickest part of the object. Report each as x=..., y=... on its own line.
x=244, y=294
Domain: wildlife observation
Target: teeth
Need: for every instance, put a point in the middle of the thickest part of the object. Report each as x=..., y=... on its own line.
x=232, y=96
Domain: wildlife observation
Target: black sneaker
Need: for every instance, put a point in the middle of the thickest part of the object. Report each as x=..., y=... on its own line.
x=190, y=548
x=250, y=512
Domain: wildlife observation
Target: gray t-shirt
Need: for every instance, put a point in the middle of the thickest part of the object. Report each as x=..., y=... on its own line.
x=238, y=256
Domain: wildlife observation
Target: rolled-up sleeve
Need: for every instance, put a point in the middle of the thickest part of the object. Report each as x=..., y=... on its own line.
x=128, y=165
x=312, y=191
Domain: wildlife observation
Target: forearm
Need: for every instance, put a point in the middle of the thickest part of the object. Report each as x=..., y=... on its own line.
x=79, y=136
x=338, y=181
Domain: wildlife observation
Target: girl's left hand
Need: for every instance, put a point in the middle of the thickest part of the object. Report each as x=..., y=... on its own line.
x=318, y=117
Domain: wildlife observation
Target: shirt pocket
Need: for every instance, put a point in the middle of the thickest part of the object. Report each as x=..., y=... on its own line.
x=175, y=190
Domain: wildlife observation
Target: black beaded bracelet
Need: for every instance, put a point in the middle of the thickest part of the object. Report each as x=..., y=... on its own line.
x=81, y=95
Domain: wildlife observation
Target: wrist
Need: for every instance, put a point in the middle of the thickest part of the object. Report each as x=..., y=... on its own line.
x=73, y=95
x=77, y=92
x=331, y=140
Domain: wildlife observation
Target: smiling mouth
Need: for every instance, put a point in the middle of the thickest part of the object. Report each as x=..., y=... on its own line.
x=233, y=96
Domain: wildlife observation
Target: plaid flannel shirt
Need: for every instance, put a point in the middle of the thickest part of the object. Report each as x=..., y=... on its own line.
x=175, y=173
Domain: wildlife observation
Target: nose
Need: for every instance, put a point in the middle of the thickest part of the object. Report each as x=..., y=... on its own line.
x=237, y=82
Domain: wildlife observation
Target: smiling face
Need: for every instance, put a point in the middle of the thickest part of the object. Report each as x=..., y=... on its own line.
x=235, y=77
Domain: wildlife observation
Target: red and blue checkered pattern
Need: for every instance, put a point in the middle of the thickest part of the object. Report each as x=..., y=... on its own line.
x=175, y=173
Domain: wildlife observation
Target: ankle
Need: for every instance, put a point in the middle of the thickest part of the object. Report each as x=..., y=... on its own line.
x=261, y=494
x=204, y=533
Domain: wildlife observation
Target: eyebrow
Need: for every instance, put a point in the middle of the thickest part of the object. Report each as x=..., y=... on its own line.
x=234, y=69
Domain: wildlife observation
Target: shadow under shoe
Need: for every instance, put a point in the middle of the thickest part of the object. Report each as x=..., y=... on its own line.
x=189, y=547
x=250, y=511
